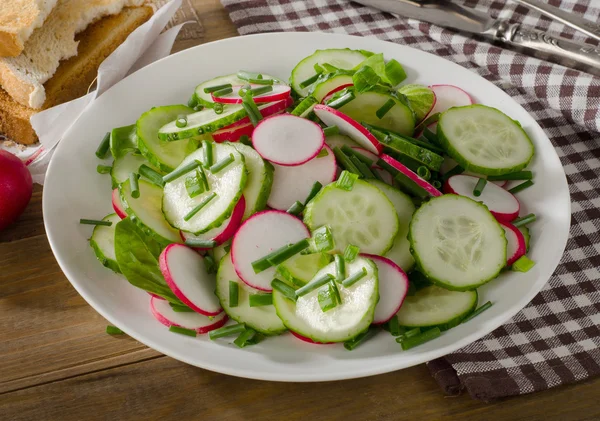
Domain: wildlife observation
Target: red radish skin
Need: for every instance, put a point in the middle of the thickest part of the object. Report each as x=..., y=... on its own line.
x=393, y=286
x=501, y=203
x=117, y=204
x=448, y=96
x=16, y=187
x=279, y=92
x=516, y=246
x=266, y=110
x=308, y=340
x=161, y=313
x=348, y=127
x=233, y=134
x=334, y=90
x=198, y=285
x=432, y=191
x=288, y=140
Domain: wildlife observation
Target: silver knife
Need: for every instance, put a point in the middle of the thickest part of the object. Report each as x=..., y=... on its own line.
x=445, y=13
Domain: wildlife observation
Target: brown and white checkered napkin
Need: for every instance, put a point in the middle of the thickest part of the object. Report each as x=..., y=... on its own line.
x=555, y=340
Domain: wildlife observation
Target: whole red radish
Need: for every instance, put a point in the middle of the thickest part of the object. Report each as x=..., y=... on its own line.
x=15, y=188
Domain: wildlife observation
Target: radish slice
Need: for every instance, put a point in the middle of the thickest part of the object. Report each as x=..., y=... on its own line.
x=516, y=246
x=288, y=140
x=263, y=233
x=349, y=127
x=418, y=181
x=393, y=286
x=502, y=204
x=265, y=110
x=448, y=96
x=117, y=204
x=193, y=321
x=385, y=176
x=225, y=231
x=185, y=273
x=291, y=184
x=233, y=134
x=334, y=90
x=308, y=340
x=366, y=153
x=278, y=93
x=158, y=297
x=450, y=163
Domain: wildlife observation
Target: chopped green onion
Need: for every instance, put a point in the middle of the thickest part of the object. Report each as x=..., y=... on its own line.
x=198, y=107
x=104, y=146
x=244, y=75
x=431, y=136
x=519, y=175
x=202, y=204
x=261, y=90
x=436, y=184
x=357, y=276
x=216, y=88
x=524, y=220
x=208, y=153
x=521, y=187
x=202, y=177
x=433, y=118
x=261, y=81
x=194, y=186
x=351, y=252
x=331, y=130
x=245, y=338
x=181, y=171
x=210, y=264
x=479, y=187
x=226, y=331
x=222, y=92
x=296, y=208
x=408, y=334
x=222, y=164
x=218, y=108
x=394, y=72
x=323, y=153
x=180, y=308
x=181, y=121
x=420, y=339
x=263, y=263
x=364, y=170
x=322, y=240
x=103, y=169
x=201, y=244
x=259, y=300
x=346, y=180
x=349, y=152
x=244, y=90
x=245, y=139
x=365, y=78
x=113, y=330
x=454, y=171
x=344, y=161
x=311, y=286
x=523, y=264
x=94, y=222
x=394, y=326
x=412, y=289
x=288, y=252
x=424, y=172
x=329, y=68
x=315, y=189
x=385, y=108
x=234, y=293
x=227, y=248
x=333, y=289
x=183, y=331
x=309, y=81
x=134, y=185
x=361, y=338
x=251, y=109
x=340, y=268
x=342, y=100
x=287, y=291
x=318, y=68
x=193, y=101
x=327, y=299
x=477, y=312
x=151, y=175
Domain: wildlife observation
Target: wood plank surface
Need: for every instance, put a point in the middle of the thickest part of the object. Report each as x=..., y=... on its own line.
x=56, y=362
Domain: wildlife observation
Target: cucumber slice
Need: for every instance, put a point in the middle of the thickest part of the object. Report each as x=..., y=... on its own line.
x=263, y=319
x=330, y=83
x=342, y=58
x=364, y=217
x=228, y=184
x=339, y=140
x=400, y=251
x=302, y=267
x=103, y=243
x=484, y=140
x=343, y=322
x=305, y=107
x=527, y=236
x=145, y=212
x=163, y=155
x=201, y=122
x=457, y=243
x=433, y=306
x=399, y=118
x=206, y=99
x=402, y=149
x=259, y=182
x=123, y=140
x=125, y=165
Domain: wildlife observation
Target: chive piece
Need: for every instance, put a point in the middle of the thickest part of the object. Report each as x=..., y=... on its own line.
x=351, y=252
x=523, y=264
x=412, y=289
x=479, y=187
x=340, y=268
x=394, y=72
x=226, y=331
x=216, y=88
x=385, y=108
x=454, y=171
x=341, y=101
x=322, y=240
x=222, y=164
x=518, y=175
x=359, y=339
x=296, y=208
x=202, y=176
x=245, y=75
x=309, y=81
x=181, y=171
x=335, y=292
x=234, y=294
x=180, y=309
x=208, y=153
x=251, y=109
x=94, y=222
x=261, y=81
x=323, y=153
x=394, y=326
x=193, y=101
x=244, y=90
x=420, y=339
x=202, y=204
x=364, y=170
x=153, y=176
x=524, y=220
x=259, y=300
x=198, y=107
x=227, y=248
x=318, y=68
x=346, y=180
x=218, y=108
x=134, y=185
x=222, y=92
x=200, y=244
x=408, y=334
x=287, y=291
x=331, y=130
x=327, y=299
x=288, y=252
x=104, y=146
x=311, y=286
x=436, y=184
x=433, y=118
x=520, y=187
x=263, y=263
x=103, y=169
x=245, y=338
x=477, y=312
x=424, y=172
x=344, y=161
x=260, y=90
x=181, y=121
x=209, y=262
x=245, y=139
x=330, y=68
x=349, y=151
x=315, y=189
x=194, y=186
x=113, y=330
x=431, y=136
x=351, y=280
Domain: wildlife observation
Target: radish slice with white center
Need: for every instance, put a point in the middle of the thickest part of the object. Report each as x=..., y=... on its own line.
x=117, y=204
x=265, y=110
x=418, y=182
x=263, y=233
x=308, y=340
x=502, y=204
x=448, y=96
x=291, y=184
x=366, y=153
x=450, y=163
x=163, y=312
x=393, y=286
x=334, y=90
x=225, y=231
x=278, y=93
x=516, y=246
x=185, y=273
x=288, y=140
x=233, y=134
x=349, y=127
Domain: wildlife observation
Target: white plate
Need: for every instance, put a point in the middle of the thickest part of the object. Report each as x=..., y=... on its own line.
x=74, y=190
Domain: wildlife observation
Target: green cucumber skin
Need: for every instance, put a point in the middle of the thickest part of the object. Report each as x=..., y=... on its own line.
x=463, y=162
x=187, y=133
x=527, y=236
x=265, y=192
x=305, y=107
x=106, y=262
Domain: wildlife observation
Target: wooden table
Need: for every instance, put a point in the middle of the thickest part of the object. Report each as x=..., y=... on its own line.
x=57, y=363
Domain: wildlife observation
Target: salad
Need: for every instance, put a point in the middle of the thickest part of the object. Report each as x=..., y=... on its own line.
x=332, y=207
